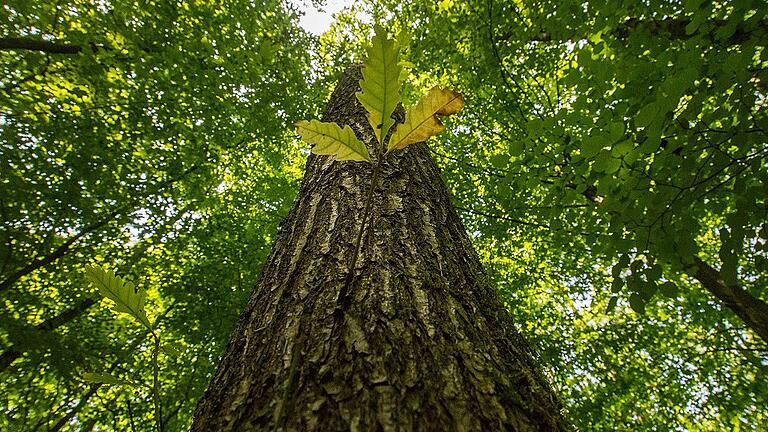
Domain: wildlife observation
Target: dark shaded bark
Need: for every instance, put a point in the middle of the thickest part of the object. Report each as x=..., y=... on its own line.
x=423, y=342
x=749, y=308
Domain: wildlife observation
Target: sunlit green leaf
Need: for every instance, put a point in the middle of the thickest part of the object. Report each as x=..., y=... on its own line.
x=381, y=83
x=331, y=139
x=125, y=296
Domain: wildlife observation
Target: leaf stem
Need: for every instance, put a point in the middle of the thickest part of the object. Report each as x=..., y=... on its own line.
x=156, y=384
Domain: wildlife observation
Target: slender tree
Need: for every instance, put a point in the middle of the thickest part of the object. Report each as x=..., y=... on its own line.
x=414, y=337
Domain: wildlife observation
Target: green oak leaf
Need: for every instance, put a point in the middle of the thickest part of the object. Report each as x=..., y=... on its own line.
x=381, y=83
x=126, y=297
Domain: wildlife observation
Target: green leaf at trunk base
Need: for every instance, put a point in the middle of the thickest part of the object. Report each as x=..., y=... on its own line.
x=107, y=379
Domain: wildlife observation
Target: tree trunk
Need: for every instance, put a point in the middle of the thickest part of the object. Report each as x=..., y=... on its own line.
x=423, y=341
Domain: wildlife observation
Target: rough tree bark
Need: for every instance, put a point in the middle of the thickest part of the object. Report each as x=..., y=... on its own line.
x=423, y=342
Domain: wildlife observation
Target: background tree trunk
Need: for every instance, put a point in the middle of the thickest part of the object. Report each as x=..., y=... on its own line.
x=423, y=342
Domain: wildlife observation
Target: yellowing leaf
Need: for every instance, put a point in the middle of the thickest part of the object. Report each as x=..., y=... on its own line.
x=421, y=121
x=126, y=297
x=381, y=83
x=331, y=139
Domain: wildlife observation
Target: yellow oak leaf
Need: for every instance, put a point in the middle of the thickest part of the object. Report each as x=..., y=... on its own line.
x=421, y=121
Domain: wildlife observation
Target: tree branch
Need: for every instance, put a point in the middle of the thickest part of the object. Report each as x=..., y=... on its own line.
x=58, y=252
x=65, y=247
x=673, y=28
x=10, y=355
x=752, y=310
x=749, y=308
x=27, y=44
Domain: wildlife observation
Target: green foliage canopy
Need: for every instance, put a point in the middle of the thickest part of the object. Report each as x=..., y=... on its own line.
x=606, y=148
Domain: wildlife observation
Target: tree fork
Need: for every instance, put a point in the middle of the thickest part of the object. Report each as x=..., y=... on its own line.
x=424, y=343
